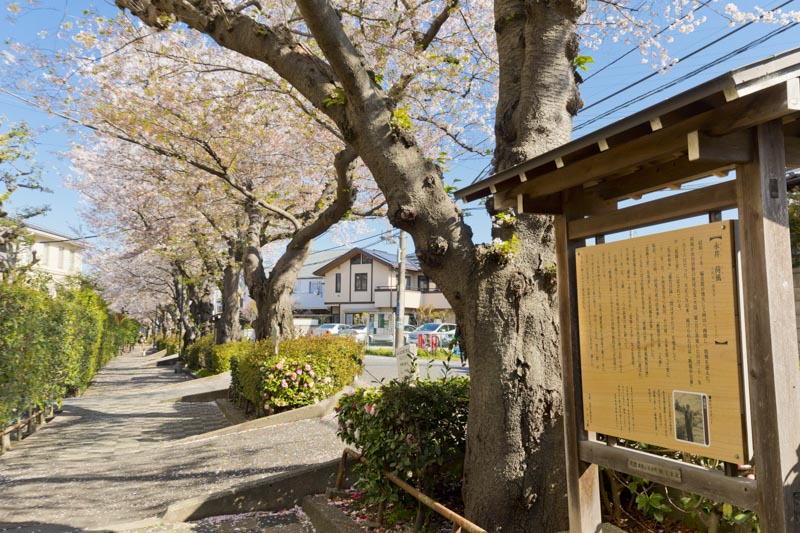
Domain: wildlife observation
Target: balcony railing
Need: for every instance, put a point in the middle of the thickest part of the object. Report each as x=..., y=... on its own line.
x=392, y=288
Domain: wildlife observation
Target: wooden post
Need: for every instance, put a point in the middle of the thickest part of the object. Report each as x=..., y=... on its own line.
x=771, y=334
x=583, y=487
x=5, y=440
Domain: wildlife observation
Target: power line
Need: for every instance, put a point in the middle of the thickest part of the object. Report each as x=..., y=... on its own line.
x=633, y=49
x=729, y=55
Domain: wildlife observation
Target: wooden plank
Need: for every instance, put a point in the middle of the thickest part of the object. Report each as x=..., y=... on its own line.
x=684, y=476
x=549, y=205
x=654, y=178
x=583, y=489
x=736, y=147
x=659, y=341
x=770, y=331
x=722, y=196
x=741, y=113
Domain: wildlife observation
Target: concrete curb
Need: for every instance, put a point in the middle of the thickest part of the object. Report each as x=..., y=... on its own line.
x=269, y=494
x=327, y=518
x=167, y=361
x=318, y=410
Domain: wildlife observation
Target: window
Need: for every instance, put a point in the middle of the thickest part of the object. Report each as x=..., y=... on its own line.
x=360, y=259
x=360, y=282
x=408, y=282
x=338, y=282
x=422, y=283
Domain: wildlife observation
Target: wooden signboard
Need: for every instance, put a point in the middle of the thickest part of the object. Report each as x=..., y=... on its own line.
x=659, y=341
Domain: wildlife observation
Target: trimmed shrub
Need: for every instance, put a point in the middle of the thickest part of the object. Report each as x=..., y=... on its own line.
x=413, y=428
x=304, y=371
x=171, y=344
x=198, y=354
x=51, y=347
x=222, y=355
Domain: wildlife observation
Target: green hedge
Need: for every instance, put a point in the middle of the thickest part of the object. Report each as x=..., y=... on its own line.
x=223, y=354
x=304, y=371
x=413, y=428
x=52, y=347
x=198, y=354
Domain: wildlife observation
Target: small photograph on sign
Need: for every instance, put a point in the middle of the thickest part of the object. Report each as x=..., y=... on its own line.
x=691, y=417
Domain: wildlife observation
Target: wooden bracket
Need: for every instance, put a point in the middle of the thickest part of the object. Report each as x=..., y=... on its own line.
x=736, y=147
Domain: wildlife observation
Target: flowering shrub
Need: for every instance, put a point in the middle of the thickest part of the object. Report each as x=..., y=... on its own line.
x=415, y=429
x=293, y=383
x=304, y=371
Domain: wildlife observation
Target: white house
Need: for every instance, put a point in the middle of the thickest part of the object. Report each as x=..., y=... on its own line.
x=58, y=255
x=364, y=281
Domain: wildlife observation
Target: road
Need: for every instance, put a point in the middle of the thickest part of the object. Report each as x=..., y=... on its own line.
x=378, y=368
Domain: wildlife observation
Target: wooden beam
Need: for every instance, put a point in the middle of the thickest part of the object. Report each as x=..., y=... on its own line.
x=547, y=205
x=684, y=476
x=583, y=486
x=770, y=330
x=722, y=196
x=744, y=112
x=655, y=123
x=736, y=147
x=657, y=177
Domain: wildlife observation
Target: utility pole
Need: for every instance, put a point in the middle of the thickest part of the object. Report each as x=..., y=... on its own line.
x=400, y=311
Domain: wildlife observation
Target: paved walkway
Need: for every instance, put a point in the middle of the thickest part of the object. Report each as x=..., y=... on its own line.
x=115, y=455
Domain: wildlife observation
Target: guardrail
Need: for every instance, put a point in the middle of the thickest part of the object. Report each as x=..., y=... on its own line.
x=31, y=423
x=458, y=521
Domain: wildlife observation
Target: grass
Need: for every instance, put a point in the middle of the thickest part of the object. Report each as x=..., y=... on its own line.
x=440, y=354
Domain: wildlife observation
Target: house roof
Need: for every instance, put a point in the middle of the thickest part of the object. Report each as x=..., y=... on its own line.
x=660, y=142
x=54, y=236
x=387, y=258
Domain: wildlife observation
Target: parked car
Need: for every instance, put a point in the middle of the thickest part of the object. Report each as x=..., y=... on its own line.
x=328, y=329
x=358, y=332
x=387, y=339
x=443, y=331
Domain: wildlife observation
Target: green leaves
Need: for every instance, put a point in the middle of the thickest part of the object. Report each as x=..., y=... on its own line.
x=582, y=63
x=53, y=346
x=415, y=429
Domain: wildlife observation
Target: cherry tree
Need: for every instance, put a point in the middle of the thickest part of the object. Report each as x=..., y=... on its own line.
x=188, y=107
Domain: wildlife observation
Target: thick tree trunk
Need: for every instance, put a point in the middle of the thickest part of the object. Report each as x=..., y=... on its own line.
x=206, y=311
x=280, y=286
x=253, y=267
x=228, y=324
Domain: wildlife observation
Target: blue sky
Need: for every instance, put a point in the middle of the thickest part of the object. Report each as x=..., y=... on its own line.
x=63, y=216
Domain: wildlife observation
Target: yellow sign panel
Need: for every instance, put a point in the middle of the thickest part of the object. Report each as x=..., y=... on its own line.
x=659, y=341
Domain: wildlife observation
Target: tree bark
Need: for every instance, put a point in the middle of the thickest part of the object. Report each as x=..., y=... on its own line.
x=228, y=324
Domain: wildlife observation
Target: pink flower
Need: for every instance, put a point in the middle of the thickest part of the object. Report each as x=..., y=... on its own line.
x=262, y=369
x=266, y=406
x=311, y=373
x=279, y=366
x=307, y=367
x=328, y=380
x=293, y=376
x=409, y=438
x=370, y=409
x=284, y=384
x=299, y=371
x=310, y=385
x=271, y=376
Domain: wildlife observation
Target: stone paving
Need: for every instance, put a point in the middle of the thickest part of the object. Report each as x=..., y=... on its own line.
x=114, y=455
